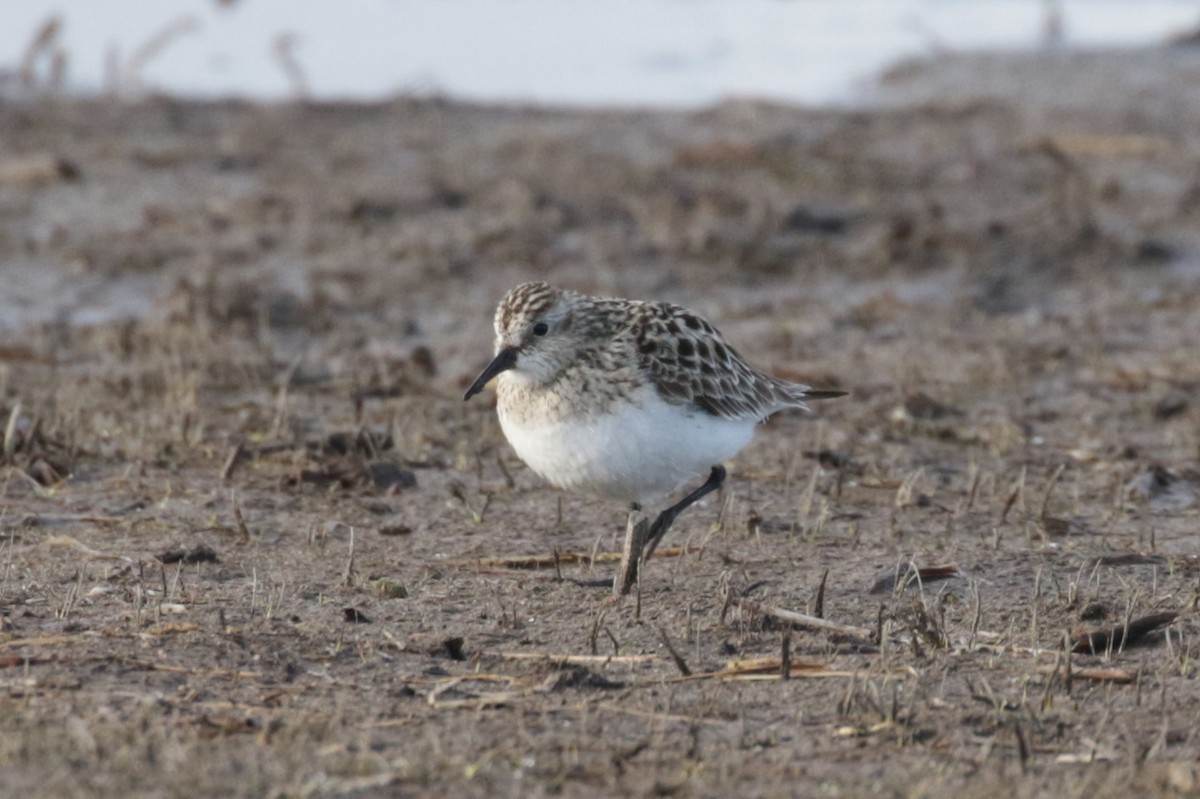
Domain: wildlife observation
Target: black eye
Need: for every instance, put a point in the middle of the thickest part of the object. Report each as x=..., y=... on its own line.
x=541, y=329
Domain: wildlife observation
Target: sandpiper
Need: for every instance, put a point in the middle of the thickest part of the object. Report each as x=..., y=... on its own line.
x=625, y=399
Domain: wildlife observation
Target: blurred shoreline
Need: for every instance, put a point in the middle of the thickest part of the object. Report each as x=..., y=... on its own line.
x=540, y=52
x=988, y=179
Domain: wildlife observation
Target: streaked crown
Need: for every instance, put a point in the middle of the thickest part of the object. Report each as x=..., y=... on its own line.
x=522, y=306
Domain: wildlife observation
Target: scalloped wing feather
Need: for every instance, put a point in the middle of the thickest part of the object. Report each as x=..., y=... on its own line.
x=691, y=364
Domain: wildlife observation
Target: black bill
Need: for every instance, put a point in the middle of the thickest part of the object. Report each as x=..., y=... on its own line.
x=505, y=359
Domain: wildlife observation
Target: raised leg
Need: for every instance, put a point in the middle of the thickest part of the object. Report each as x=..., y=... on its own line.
x=665, y=519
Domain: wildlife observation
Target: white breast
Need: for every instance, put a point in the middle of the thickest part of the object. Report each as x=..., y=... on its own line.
x=640, y=451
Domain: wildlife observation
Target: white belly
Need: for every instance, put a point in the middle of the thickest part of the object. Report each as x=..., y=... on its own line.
x=638, y=453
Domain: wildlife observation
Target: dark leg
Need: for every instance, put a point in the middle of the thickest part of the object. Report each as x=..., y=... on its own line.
x=667, y=517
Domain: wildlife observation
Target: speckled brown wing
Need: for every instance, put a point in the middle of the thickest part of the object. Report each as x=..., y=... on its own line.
x=692, y=364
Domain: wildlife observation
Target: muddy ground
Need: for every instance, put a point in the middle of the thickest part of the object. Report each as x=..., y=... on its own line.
x=253, y=543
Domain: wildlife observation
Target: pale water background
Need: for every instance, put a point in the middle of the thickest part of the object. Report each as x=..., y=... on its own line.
x=676, y=53
x=578, y=52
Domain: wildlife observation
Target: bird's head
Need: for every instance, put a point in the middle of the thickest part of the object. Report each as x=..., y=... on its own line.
x=535, y=337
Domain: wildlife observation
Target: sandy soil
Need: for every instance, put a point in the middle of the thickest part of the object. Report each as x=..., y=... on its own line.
x=253, y=543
